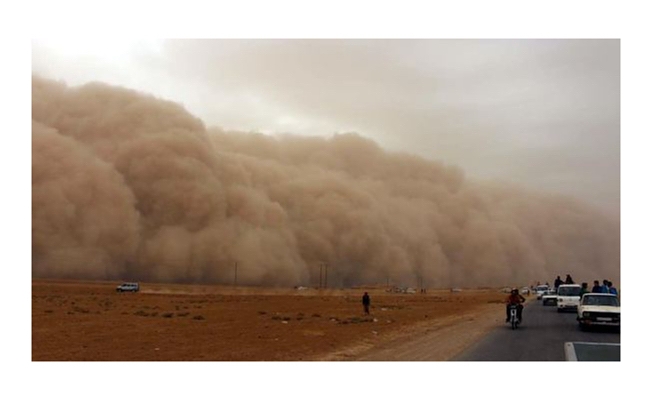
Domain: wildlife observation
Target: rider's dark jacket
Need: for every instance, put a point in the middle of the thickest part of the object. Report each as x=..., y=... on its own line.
x=515, y=299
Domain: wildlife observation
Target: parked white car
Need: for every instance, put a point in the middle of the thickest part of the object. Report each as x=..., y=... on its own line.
x=568, y=297
x=598, y=309
x=128, y=287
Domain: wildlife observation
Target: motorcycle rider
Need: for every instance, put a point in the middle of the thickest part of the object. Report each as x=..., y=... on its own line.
x=515, y=298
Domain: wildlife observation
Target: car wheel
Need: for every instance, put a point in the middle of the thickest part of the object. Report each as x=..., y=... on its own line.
x=582, y=327
x=558, y=310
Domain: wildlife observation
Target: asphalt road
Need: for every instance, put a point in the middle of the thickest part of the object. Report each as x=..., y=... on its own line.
x=540, y=337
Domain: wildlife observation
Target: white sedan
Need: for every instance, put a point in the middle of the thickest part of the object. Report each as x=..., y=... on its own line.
x=549, y=298
x=541, y=290
x=598, y=309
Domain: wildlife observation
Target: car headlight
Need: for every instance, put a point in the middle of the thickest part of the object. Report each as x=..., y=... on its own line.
x=586, y=314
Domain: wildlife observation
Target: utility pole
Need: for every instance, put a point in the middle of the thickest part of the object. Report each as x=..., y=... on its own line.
x=323, y=273
x=321, y=265
x=235, y=278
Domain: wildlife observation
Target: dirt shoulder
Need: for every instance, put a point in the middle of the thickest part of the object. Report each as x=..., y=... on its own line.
x=438, y=340
x=90, y=321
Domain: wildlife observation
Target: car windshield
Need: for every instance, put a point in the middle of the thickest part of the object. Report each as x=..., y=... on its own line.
x=542, y=288
x=569, y=291
x=600, y=301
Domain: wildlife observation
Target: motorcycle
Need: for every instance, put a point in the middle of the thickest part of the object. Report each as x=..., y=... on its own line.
x=513, y=316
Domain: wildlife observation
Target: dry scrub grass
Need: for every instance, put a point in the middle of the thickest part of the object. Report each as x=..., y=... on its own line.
x=90, y=321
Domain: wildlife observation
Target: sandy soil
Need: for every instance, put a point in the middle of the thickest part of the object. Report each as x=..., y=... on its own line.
x=82, y=321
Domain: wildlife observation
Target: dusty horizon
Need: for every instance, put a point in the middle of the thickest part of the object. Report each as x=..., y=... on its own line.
x=128, y=186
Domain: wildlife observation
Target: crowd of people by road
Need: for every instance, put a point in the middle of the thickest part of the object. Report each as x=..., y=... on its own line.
x=516, y=298
x=606, y=287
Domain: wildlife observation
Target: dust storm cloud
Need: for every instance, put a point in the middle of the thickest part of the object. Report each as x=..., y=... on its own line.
x=128, y=186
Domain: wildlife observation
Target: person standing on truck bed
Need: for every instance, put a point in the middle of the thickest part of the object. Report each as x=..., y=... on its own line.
x=584, y=289
x=604, y=288
x=558, y=282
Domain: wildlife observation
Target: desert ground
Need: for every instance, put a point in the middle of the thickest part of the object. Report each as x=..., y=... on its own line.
x=90, y=321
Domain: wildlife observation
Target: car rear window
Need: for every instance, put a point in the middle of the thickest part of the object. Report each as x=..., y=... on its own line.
x=600, y=301
x=569, y=291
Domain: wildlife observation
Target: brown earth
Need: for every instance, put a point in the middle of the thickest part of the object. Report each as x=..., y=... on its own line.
x=83, y=321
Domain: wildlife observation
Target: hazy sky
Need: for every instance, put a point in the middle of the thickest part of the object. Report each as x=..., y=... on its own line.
x=564, y=83
x=539, y=113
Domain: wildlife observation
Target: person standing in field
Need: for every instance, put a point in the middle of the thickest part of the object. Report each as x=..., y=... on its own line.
x=366, y=301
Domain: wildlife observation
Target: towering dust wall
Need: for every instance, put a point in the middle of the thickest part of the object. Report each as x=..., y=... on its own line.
x=127, y=186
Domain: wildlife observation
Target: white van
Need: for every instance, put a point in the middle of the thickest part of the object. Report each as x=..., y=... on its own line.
x=568, y=297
